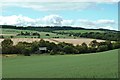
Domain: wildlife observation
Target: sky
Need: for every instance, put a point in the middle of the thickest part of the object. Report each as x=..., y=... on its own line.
x=76, y=14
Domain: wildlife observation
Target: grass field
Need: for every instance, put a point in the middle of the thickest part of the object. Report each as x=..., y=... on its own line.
x=96, y=65
x=13, y=32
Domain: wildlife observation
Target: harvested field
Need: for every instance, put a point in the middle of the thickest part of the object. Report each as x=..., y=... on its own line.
x=77, y=41
x=73, y=41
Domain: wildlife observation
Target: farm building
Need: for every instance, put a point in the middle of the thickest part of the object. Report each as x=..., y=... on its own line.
x=42, y=50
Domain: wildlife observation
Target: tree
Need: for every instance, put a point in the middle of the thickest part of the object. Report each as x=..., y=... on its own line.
x=39, y=36
x=102, y=48
x=42, y=43
x=116, y=45
x=84, y=47
x=93, y=43
x=7, y=45
x=24, y=48
x=27, y=51
x=47, y=35
x=70, y=50
x=109, y=44
x=7, y=42
x=79, y=48
x=11, y=36
x=1, y=36
x=92, y=49
x=34, y=46
x=22, y=33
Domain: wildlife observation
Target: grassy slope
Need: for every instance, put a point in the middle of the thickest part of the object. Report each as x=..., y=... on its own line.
x=70, y=66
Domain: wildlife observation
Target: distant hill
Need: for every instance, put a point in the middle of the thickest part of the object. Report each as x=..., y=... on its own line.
x=49, y=28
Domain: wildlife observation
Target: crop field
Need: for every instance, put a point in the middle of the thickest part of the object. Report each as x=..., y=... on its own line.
x=96, y=65
x=72, y=41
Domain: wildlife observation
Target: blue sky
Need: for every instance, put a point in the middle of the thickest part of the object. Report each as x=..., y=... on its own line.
x=83, y=14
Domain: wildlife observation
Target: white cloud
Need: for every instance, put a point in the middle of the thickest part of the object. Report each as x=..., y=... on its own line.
x=55, y=20
x=16, y=20
x=86, y=22
x=68, y=22
x=108, y=27
x=105, y=22
x=90, y=23
x=46, y=6
x=55, y=5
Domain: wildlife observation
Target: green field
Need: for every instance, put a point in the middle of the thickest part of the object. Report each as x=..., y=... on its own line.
x=42, y=34
x=78, y=31
x=98, y=65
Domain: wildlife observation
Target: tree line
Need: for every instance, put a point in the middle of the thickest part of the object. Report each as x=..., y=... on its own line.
x=112, y=36
x=61, y=48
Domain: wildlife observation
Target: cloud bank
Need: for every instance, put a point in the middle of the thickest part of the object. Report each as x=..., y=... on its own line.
x=55, y=20
x=49, y=6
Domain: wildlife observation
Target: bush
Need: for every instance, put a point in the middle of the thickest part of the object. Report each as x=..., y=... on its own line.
x=24, y=48
x=69, y=49
x=92, y=49
x=47, y=35
x=26, y=51
x=103, y=48
x=116, y=45
x=61, y=53
x=1, y=36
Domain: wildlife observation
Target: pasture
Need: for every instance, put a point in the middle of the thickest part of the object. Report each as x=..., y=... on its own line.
x=7, y=33
x=95, y=65
x=13, y=32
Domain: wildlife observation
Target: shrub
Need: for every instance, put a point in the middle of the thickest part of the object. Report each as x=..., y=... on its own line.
x=103, y=48
x=69, y=49
x=92, y=49
x=116, y=45
x=26, y=51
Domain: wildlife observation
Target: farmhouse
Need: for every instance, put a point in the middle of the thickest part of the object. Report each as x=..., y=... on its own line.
x=42, y=50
